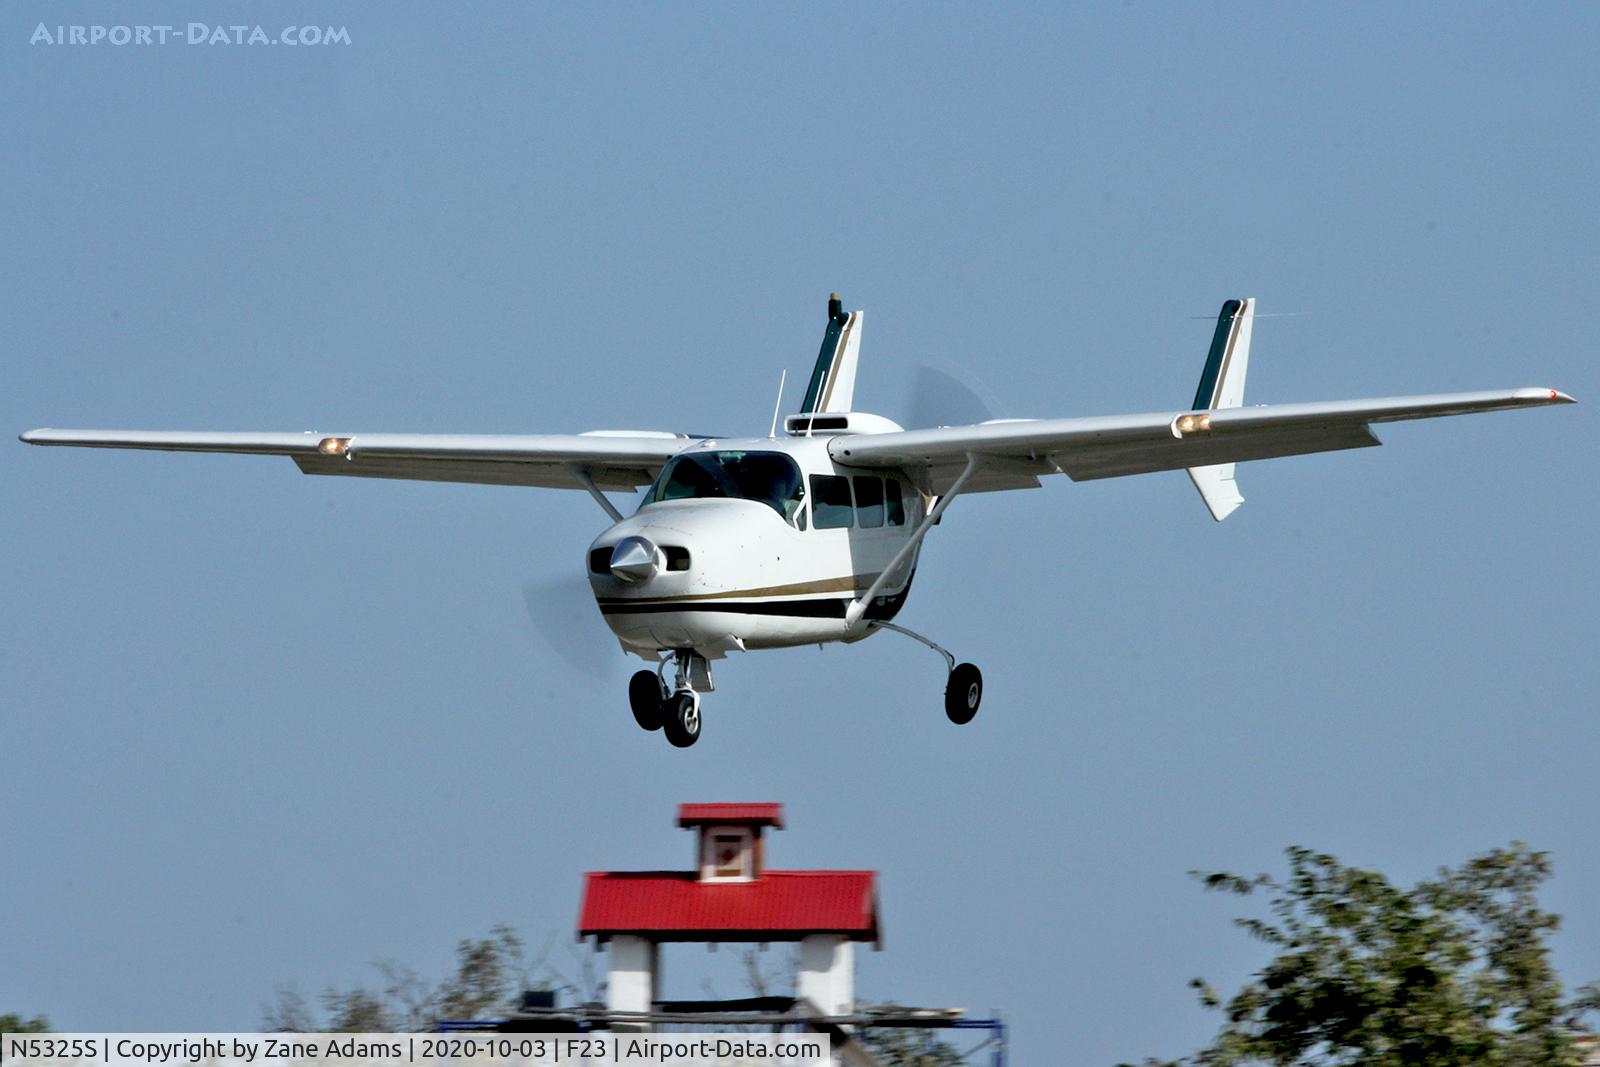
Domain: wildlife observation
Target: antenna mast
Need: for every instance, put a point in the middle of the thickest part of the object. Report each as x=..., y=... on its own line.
x=778, y=407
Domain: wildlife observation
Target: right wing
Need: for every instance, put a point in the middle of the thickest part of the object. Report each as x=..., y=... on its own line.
x=610, y=460
x=1012, y=454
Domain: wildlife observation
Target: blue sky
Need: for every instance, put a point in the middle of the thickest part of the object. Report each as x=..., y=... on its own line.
x=260, y=728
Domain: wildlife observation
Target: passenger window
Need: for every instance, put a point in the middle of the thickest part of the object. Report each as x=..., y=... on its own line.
x=869, y=501
x=897, y=506
x=830, y=502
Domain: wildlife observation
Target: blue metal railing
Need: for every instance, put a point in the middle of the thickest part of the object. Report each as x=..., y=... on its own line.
x=996, y=1027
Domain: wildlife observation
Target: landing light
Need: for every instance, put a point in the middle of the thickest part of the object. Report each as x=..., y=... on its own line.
x=333, y=446
x=1191, y=423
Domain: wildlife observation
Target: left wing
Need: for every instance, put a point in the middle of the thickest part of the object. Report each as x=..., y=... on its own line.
x=1013, y=454
x=601, y=459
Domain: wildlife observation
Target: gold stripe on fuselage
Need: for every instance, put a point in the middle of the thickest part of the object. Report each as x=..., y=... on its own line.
x=856, y=584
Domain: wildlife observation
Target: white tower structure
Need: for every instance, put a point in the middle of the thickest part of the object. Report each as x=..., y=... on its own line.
x=730, y=896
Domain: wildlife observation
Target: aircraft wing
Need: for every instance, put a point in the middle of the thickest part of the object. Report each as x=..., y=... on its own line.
x=610, y=460
x=1012, y=454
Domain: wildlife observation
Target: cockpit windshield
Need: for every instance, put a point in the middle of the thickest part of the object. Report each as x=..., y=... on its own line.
x=770, y=478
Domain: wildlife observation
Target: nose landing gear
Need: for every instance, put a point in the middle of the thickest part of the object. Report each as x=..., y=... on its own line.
x=683, y=719
x=675, y=710
x=963, y=690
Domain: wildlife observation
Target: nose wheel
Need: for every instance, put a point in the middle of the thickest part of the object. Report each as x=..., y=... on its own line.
x=963, y=689
x=648, y=700
x=674, y=709
x=683, y=719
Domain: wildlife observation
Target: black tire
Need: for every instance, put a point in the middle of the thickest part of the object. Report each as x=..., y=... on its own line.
x=644, y=697
x=682, y=720
x=963, y=693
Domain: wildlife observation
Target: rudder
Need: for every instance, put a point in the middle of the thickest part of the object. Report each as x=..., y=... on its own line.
x=833, y=381
x=1222, y=386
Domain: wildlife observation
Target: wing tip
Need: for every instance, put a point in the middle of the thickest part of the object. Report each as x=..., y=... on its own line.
x=1545, y=395
x=33, y=437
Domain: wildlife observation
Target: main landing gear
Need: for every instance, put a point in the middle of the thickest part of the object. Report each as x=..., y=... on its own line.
x=674, y=710
x=963, y=689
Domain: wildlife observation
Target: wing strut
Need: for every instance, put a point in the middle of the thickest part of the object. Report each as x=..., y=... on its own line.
x=581, y=476
x=858, y=606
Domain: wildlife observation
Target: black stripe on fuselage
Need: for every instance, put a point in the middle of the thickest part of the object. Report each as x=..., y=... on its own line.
x=882, y=608
x=829, y=608
x=1205, y=397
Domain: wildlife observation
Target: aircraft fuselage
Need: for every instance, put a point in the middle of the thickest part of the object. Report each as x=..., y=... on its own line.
x=754, y=543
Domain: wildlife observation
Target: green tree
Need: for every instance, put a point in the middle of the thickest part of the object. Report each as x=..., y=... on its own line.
x=897, y=1047
x=1454, y=971
x=287, y=1013
x=356, y=1011
x=489, y=973
x=16, y=1024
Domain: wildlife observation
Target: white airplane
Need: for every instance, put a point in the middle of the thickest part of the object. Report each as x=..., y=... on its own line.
x=770, y=542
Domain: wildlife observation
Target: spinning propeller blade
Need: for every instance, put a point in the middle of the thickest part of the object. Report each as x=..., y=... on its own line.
x=940, y=398
x=564, y=617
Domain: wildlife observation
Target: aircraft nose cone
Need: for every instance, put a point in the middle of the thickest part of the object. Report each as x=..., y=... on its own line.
x=633, y=560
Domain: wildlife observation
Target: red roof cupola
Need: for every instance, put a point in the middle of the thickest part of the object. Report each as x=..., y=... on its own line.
x=730, y=895
x=731, y=815
x=730, y=846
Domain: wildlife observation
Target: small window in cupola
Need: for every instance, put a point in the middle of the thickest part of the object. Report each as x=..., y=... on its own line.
x=729, y=854
x=730, y=846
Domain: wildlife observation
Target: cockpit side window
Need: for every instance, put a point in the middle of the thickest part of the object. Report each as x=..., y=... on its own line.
x=770, y=478
x=830, y=502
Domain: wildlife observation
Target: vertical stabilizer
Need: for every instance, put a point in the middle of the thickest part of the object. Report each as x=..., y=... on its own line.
x=1222, y=386
x=833, y=382
x=1217, y=489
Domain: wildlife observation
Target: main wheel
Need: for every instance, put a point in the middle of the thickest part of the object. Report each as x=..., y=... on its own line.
x=644, y=697
x=963, y=693
x=683, y=719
